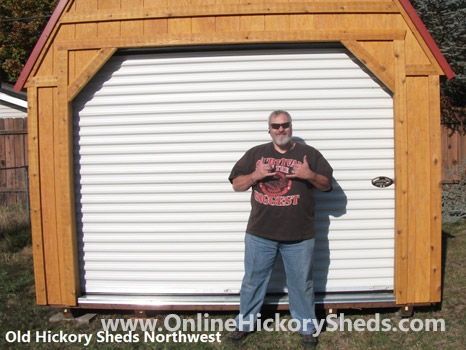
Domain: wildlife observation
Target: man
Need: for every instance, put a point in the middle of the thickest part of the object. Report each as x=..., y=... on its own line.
x=283, y=175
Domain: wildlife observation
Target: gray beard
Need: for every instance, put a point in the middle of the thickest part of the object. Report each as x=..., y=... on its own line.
x=281, y=142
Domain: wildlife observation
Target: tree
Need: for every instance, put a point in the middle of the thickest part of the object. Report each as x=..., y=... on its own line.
x=21, y=23
x=446, y=21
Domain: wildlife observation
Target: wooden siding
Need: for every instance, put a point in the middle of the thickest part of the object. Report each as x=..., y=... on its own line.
x=13, y=161
x=378, y=33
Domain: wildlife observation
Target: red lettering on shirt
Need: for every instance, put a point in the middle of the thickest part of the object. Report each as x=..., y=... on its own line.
x=276, y=201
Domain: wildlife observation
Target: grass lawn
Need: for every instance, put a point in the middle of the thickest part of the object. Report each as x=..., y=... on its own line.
x=19, y=313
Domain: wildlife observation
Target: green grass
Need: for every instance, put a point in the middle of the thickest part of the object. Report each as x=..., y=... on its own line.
x=19, y=312
x=14, y=228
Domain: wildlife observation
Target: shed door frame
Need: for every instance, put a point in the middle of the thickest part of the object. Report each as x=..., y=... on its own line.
x=69, y=284
x=237, y=48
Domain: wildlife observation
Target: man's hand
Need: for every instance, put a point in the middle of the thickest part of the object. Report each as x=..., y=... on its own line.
x=244, y=182
x=302, y=171
x=262, y=171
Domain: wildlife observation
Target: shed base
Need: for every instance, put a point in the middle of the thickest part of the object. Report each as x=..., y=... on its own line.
x=231, y=302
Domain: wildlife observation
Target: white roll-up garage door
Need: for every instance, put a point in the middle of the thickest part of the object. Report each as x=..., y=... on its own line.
x=157, y=134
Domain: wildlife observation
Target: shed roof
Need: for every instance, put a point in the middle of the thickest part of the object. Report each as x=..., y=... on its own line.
x=427, y=38
x=406, y=4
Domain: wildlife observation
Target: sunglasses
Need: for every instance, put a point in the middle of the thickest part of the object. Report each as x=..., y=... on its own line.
x=277, y=126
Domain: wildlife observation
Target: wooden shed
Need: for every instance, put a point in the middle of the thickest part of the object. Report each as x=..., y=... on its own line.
x=137, y=110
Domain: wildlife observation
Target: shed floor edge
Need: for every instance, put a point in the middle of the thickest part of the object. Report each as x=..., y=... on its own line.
x=230, y=302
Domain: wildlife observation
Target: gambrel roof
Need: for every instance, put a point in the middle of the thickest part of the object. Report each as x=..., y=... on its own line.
x=416, y=24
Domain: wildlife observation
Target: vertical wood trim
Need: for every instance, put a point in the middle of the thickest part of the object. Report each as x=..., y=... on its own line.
x=401, y=175
x=34, y=198
x=46, y=112
x=436, y=191
x=419, y=191
x=66, y=220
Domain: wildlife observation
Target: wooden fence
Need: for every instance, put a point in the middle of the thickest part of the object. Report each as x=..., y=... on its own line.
x=453, y=155
x=13, y=161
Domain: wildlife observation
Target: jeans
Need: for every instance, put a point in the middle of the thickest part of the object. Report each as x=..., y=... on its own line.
x=259, y=258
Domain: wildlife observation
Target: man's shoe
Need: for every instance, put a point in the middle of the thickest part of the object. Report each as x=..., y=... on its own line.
x=236, y=337
x=309, y=341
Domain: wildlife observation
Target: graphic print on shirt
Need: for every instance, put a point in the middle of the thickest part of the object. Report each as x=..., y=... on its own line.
x=276, y=187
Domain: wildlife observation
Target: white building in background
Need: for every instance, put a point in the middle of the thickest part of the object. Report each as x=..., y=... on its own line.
x=12, y=104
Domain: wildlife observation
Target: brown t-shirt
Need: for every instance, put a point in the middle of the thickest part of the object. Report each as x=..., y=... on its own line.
x=282, y=208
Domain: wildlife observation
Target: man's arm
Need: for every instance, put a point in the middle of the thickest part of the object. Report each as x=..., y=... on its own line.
x=319, y=181
x=243, y=182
